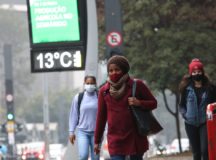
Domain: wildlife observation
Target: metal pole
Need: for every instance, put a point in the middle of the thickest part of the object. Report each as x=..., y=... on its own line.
x=92, y=40
x=9, y=92
x=113, y=26
x=46, y=116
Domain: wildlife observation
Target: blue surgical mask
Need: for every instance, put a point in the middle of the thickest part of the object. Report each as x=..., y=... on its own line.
x=90, y=87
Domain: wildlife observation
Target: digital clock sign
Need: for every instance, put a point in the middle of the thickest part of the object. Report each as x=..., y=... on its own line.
x=57, y=60
x=57, y=31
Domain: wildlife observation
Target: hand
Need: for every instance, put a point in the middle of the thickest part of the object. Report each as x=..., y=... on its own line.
x=133, y=101
x=72, y=138
x=96, y=149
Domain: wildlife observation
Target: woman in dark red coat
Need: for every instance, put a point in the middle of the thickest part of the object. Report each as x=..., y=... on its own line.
x=114, y=100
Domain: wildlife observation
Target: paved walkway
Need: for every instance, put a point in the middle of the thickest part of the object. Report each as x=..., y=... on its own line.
x=171, y=158
x=183, y=156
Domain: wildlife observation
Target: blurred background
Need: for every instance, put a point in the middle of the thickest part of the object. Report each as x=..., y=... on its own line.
x=160, y=39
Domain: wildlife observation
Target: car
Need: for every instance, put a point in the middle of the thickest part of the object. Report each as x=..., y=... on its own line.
x=174, y=146
x=33, y=151
x=32, y=155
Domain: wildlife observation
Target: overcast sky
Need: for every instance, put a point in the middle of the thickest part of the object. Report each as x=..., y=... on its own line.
x=12, y=1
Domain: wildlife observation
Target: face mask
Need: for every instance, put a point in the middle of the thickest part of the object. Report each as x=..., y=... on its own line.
x=90, y=87
x=115, y=77
x=197, y=77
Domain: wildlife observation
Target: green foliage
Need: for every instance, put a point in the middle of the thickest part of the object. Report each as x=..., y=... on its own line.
x=33, y=110
x=161, y=38
x=59, y=103
x=101, y=28
x=59, y=109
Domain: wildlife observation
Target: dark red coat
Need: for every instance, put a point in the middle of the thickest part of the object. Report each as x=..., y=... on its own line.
x=122, y=135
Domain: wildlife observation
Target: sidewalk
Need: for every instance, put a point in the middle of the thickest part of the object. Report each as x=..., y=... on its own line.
x=183, y=156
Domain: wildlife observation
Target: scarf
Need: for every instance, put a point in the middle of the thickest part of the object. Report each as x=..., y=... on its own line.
x=117, y=89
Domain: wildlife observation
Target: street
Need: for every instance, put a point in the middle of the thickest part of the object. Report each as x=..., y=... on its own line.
x=72, y=154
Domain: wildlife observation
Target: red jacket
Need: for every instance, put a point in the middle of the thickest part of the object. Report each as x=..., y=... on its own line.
x=122, y=135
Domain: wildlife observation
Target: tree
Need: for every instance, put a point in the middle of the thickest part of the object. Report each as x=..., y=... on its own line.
x=101, y=28
x=161, y=38
x=59, y=108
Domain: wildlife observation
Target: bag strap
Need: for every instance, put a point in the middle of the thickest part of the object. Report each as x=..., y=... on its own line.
x=134, y=88
x=80, y=97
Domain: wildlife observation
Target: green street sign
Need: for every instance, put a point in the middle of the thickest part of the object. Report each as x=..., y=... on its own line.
x=54, y=21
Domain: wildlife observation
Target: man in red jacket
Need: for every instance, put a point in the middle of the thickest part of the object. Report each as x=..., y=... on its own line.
x=113, y=107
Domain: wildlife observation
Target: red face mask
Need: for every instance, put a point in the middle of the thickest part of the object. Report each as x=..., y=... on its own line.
x=115, y=77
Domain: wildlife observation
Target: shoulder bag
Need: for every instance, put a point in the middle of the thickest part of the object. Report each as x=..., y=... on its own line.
x=145, y=121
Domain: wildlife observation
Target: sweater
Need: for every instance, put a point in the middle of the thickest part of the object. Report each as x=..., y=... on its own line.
x=122, y=135
x=88, y=112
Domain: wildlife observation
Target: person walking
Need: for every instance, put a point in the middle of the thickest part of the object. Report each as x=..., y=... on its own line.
x=83, y=117
x=114, y=101
x=196, y=93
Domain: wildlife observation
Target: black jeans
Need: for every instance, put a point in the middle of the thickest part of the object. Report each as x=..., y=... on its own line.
x=198, y=140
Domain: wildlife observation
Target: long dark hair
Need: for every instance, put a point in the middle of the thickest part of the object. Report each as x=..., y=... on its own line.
x=187, y=79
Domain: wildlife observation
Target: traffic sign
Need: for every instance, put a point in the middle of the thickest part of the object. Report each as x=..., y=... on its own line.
x=114, y=39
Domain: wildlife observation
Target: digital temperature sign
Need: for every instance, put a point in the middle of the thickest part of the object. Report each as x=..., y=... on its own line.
x=57, y=60
x=57, y=31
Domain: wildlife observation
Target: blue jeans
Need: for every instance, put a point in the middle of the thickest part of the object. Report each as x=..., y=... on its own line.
x=123, y=157
x=199, y=141
x=85, y=142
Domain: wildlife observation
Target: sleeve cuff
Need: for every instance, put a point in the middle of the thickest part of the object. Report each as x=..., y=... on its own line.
x=71, y=133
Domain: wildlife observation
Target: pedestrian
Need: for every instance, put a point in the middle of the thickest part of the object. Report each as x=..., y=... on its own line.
x=83, y=118
x=196, y=93
x=114, y=101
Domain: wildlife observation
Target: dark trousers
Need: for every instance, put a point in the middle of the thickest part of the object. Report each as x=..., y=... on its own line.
x=198, y=140
x=122, y=157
